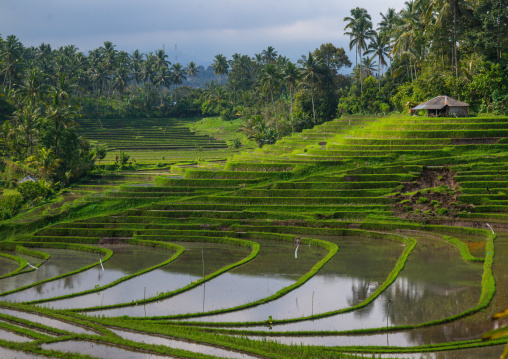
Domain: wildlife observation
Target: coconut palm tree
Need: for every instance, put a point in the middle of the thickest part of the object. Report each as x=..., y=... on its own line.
x=312, y=70
x=270, y=81
x=163, y=78
x=443, y=8
x=360, y=34
x=378, y=47
x=409, y=35
x=28, y=118
x=291, y=76
x=269, y=55
x=32, y=88
x=11, y=56
x=161, y=60
x=178, y=74
x=352, y=21
x=220, y=66
x=192, y=71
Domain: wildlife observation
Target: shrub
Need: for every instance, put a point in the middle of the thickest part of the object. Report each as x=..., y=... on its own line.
x=442, y=211
x=422, y=200
x=31, y=191
x=237, y=143
x=10, y=206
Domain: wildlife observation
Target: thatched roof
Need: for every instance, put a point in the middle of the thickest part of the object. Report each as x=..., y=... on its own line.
x=439, y=102
x=28, y=178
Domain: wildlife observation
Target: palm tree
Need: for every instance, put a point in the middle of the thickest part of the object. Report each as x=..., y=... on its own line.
x=27, y=119
x=121, y=78
x=192, y=71
x=161, y=60
x=356, y=14
x=60, y=113
x=409, y=35
x=386, y=27
x=32, y=88
x=387, y=22
x=312, y=71
x=378, y=47
x=163, y=78
x=291, y=76
x=269, y=55
x=368, y=66
x=178, y=74
x=11, y=55
x=361, y=32
x=220, y=66
x=442, y=8
x=270, y=80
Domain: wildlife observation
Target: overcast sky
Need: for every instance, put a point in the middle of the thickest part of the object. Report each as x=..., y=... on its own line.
x=200, y=28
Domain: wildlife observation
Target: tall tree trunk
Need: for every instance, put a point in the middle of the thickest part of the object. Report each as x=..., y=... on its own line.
x=361, y=70
x=313, y=109
x=455, y=37
x=275, y=113
x=291, y=110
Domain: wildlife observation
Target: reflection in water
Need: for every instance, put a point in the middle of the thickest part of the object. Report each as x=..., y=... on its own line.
x=343, y=280
x=99, y=350
x=13, y=337
x=177, y=274
x=8, y=353
x=193, y=347
x=273, y=269
x=125, y=260
x=468, y=328
x=46, y=321
x=435, y=283
x=61, y=261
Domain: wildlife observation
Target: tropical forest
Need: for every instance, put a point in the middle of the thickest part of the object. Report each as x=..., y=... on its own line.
x=349, y=203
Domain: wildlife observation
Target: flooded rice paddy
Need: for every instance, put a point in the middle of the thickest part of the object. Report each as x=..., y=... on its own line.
x=62, y=261
x=12, y=337
x=7, y=265
x=274, y=268
x=198, y=259
x=177, y=344
x=125, y=260
x=435, y=283
x=15, y=354
x=99, y=350
x=360, y=266
x=41, y=319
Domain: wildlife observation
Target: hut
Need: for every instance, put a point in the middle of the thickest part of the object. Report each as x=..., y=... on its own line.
x=444, y=106
x=28, y=179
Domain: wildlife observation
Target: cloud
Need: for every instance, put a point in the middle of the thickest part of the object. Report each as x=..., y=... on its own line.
x=201, y=28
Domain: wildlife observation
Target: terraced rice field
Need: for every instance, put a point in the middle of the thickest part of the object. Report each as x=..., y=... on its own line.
x=361, y=236
x=152, y=141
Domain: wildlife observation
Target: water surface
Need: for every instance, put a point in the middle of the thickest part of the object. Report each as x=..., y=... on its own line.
x=189, y=267
x=360, y=266
x=177, y=344
x=62, y=261
x=435, y=283
x=274, y=268
x=50, y=322
x=99, y=350
x=126, y=260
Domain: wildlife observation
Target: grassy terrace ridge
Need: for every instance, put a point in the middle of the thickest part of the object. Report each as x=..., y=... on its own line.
x=413, y=180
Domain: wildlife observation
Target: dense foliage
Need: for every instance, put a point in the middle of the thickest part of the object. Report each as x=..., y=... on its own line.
x=430, y=48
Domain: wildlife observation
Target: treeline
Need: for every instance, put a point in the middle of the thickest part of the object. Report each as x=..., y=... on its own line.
x=429, y=48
